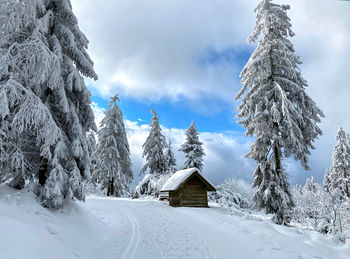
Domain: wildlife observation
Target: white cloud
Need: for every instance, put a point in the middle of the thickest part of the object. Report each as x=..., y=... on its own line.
x=150, y=49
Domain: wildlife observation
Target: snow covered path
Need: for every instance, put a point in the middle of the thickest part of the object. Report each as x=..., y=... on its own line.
x=112, y=228
x=151, y=229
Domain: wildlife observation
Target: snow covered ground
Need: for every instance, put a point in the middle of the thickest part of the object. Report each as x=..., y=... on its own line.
x=123, y=228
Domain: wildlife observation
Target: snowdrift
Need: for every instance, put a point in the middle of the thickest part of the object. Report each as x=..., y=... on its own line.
x=30, y=231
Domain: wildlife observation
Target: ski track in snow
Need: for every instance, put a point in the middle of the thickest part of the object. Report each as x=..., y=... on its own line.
x=151, y=231
x=134, y=240
x=112, y=228
x=147, y=229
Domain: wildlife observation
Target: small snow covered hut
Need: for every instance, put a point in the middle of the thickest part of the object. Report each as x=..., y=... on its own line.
x=188, y=188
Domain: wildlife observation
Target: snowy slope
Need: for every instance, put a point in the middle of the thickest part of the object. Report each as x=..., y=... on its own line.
x=30, y=231
x=123, y=228
x=152, y=229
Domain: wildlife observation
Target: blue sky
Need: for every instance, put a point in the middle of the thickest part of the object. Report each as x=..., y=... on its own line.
x=183, y=59
x=174, y=114
x=180, y=112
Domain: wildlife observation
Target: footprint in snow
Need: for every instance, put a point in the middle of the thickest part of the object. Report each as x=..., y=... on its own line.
x=43, y=215
x=51, y=230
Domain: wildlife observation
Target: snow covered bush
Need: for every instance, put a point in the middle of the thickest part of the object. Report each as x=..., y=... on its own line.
x=309, y=207
x=323, y=211
x=150, y=185
x=339, y=213
x=94, y=188
x=233, y=193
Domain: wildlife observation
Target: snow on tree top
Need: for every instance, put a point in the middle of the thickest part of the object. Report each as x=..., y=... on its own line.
x=178, y=178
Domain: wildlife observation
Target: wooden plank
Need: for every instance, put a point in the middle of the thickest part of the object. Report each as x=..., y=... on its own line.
x=193, y=195
x=195, y=205
x=193, y=198
x=194, y=192
x=193, y=202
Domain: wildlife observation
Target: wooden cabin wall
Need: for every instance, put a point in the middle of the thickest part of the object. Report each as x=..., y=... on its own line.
x=174, y=198
x=194, y=193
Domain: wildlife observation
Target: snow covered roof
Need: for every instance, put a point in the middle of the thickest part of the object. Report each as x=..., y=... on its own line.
x=178, y=178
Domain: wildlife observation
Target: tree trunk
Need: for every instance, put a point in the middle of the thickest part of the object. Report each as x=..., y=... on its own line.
x=276, y=151
x=43, y=171
x=110, y=189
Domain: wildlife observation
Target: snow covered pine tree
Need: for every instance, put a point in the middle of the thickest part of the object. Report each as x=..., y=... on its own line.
x=113, y=167
x=156, y=161
x=193, y=149
x=337, y=185
x=170, y=159
x=326, y=181
x=275, y=108
x=44, y=103
x=153, y=149
x=339, y=177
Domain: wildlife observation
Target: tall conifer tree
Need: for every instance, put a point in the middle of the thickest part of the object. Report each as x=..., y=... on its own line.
x=275, y=108
x=339, y=176
x=170, y=159
x=113, y=166
x=153, y=149
x=44, y=103
x=193, y=149
x=327, y=181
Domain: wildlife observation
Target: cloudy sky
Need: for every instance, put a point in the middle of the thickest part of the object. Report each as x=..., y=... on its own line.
x=183, y=58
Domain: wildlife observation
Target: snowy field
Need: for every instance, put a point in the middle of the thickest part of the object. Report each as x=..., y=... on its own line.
x=123, y=228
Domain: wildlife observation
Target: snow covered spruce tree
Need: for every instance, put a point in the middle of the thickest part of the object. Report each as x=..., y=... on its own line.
x=170, y=159
x=113, y=167
x=327, y=181
x=193, y=149
x=275, y=109
x=339, y=176
x=153, y=149
x=156, y=162
x=44, y=103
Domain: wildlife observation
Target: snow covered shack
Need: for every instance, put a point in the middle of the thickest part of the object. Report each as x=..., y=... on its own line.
x=188, y=188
